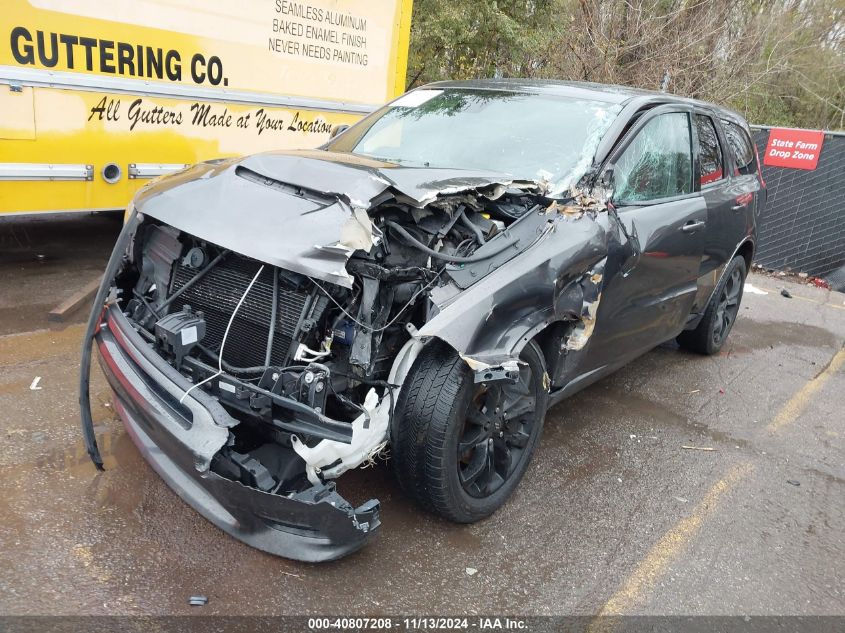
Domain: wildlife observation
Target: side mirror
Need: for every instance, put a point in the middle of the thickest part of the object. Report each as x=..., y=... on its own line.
x=337, y=130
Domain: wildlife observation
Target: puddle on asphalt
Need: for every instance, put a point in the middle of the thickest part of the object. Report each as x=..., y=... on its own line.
x=121, y=455
x=114, y=445
x=753, y=335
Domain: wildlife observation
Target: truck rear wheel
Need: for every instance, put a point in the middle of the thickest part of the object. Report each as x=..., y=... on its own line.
x=460, y=448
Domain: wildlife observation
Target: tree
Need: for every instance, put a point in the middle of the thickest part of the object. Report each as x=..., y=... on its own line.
x=777, y=61
x=482, y=38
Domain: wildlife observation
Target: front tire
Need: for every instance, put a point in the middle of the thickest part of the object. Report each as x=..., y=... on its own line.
x=460, y=448
x=720, y=315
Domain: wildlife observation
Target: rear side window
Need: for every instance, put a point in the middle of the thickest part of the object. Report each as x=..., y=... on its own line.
x=658, y=162
x=710, y=164
x=741, y=146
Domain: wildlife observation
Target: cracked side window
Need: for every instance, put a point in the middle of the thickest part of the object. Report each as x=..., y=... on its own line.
x=658, y=162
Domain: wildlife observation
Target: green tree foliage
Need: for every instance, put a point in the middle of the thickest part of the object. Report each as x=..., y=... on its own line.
x=777, y=61
x=476, y=38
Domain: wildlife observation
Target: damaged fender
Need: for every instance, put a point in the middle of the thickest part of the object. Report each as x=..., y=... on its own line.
x=559, y=278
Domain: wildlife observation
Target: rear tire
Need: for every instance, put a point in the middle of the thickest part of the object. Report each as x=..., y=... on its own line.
x=460, y=448
x=721, y=313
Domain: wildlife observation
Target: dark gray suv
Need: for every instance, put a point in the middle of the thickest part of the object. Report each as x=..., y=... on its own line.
x=431, y=280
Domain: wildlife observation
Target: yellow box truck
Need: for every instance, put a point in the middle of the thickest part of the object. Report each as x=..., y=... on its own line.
x=98, y=97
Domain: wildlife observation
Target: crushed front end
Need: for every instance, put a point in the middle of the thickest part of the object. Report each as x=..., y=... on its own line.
x=256, y=327
x=224, y=441
x=190, y=443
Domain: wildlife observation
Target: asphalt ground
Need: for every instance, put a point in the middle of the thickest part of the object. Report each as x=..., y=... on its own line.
x=615, y=515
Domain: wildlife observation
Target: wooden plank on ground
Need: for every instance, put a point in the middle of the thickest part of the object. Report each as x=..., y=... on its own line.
x=83, y=295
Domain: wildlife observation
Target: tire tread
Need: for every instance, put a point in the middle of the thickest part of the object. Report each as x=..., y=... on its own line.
x=432, y=398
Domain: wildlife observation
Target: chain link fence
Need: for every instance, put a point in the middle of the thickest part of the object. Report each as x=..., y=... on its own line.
x=802, y=228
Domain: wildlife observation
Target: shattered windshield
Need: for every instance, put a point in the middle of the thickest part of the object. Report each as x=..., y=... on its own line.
x=528, y=136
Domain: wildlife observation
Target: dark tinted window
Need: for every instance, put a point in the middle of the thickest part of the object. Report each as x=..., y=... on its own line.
x=710, y=164
x=741, y=146
x=658, y=162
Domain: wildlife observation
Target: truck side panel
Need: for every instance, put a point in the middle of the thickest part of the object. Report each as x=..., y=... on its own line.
x=97, y=97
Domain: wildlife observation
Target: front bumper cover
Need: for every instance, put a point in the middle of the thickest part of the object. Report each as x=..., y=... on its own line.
x=180, y=440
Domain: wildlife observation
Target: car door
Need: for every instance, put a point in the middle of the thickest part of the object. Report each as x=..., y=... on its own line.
x=727, y=200
x=648, y=300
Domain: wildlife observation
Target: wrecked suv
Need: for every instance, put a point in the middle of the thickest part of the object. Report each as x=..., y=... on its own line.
x=428, y=283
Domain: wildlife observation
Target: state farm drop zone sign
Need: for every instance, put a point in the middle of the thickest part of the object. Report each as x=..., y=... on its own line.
x=795, y=149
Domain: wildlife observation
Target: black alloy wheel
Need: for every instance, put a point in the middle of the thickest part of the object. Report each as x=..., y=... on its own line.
x=728, y=306
x=460, y=447
x=720, y=314
x=496, y=431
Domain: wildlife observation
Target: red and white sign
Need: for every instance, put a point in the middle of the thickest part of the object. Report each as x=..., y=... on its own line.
x=798, y=149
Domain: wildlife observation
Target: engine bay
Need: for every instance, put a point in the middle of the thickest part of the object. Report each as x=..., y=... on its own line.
x=309, y=367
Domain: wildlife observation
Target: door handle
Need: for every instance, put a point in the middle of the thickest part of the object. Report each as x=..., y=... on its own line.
x=692, y=226
x=742, y=201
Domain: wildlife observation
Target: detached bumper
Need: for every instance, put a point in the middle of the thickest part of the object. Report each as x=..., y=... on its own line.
x=180, y=440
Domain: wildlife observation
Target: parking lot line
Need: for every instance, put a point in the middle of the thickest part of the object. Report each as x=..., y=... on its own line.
x=796, y=405
x=670, y=546
x=821, y=303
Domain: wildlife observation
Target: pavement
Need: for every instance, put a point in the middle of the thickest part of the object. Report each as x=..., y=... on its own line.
x=679, y=485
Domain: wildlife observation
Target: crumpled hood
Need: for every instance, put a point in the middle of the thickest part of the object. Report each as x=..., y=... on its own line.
x=304, y=211
x=360, y=179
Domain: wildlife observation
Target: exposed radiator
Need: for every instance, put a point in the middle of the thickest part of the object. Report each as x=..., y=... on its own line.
x=217, y=294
